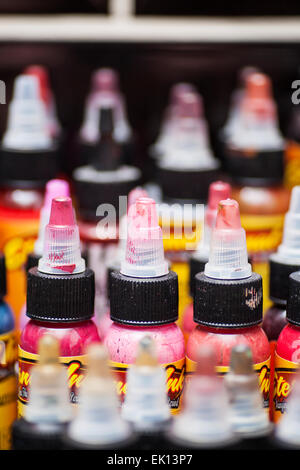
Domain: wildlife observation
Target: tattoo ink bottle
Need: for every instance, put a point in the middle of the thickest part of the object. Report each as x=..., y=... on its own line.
x=8, y=356
x=48, y=410
x=60, y=302
x=98, y=424
x=54, y=188
x=99, y=187
x=144, y=301
x=287, y=354
x=255, y=161
x=168, y=127
x=105, y=93
x=217, y=192
x=204, y=421
x=28, y=159
x=287, y=430
x=249, y=419
x=146, y=406
x=282, y=263
x=228, y=300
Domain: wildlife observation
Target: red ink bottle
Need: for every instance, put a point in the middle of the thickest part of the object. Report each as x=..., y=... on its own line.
x=228, y=298
x=60, y=302
x=217, y=191
x=287, y=354
x=144, y=300
x=282, y=263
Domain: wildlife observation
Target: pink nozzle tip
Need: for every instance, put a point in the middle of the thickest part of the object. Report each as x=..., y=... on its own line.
x=41, y=74
x=180, y=89
x=62, y=212
x=56, y=188
x=105, y=80
x=190, y=105
x=258, y=86
x=144, y=250
x=145, y=213
x=228, y=216
x=135, y=194
x=61, y=253
x=218, y=191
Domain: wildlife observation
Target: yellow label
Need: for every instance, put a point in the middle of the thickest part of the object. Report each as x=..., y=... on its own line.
x=292, y=165
x=183, y=272
x=8, y=409
x=284, y=376
x=17, y=236
x=76, y=370
x=8, y=387
x=262, y=369
x=263, y=232
x=175, y=375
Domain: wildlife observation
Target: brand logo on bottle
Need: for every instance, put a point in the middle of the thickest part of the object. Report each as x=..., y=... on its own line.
x=75, y=371
x=175, y=376
x=284, y=376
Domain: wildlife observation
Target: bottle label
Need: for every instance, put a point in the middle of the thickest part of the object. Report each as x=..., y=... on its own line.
x=8, y=387
x=284, y=376
x=175, y=372
x=262, y=369
x=76, y=366
x=292, y=165
x=264, y=233
x=17, y=236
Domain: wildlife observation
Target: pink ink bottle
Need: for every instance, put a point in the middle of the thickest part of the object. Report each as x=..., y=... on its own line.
x=217, y=191
x=228, y=300
x=144, y=300
x=60, y=302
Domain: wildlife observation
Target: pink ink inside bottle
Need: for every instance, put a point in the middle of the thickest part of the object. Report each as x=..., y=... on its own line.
x=60, y=299
x=218, y=191
x=144, y=301
x=228, y=298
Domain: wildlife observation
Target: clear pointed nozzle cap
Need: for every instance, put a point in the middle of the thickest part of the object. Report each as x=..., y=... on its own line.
x=289, y=250
x=204, y=420
x=288, y=428
x=98, y=419
x=144, y=250
x=27, y=117
x=243, y=387
x=133, y=196
x=146, y=404
x=218, y=191
x=228, y=257
x=54, y=188
x=61, y=253
x=49, y=393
